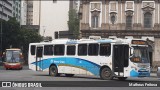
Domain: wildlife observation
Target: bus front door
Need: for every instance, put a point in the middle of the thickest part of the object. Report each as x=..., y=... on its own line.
x=120, y=59
x=39, y=55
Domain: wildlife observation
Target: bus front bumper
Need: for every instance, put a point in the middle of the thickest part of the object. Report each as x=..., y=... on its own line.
x=12, y=65
x=134, y=73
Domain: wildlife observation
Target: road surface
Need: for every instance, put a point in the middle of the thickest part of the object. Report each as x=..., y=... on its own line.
x=78, y=82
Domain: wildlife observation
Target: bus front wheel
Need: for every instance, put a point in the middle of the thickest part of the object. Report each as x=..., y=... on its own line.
x=53, y=71
x=106, y=74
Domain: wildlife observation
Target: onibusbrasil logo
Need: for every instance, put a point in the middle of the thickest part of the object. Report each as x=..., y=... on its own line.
x=21, y=84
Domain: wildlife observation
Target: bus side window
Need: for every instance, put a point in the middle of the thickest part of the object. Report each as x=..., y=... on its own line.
x=93, y=49
x=105, y=49
x=82, y=49
x=33, y=48
x=71, y=50
x=59, y=49
x=48, y=50
x=39, y=52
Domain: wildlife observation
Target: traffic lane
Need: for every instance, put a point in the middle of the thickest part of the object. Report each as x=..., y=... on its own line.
x=29, y=75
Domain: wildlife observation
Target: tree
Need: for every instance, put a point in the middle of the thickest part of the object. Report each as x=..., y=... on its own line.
x=26, y=37
x=73, y=24
x=10, y=31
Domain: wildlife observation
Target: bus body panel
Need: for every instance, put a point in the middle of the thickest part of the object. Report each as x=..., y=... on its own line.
x=79, y=65
x=87, y=65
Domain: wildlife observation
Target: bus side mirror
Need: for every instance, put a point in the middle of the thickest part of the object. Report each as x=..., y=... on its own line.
x=158, y=72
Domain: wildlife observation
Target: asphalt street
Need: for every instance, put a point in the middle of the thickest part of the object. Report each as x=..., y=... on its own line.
x=78, y=82
x=29, y=75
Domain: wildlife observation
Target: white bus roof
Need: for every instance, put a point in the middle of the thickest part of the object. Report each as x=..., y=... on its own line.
x=72, y=41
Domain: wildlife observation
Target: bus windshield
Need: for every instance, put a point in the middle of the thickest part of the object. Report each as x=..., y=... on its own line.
x=142, y=54
x=12, y=56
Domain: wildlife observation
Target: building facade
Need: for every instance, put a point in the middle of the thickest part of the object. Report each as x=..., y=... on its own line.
x=23, y=12
x=123, y=18
x=33, y=12
x=74, y=4
x=16, y=9
x=6, y=9
x=10, y=8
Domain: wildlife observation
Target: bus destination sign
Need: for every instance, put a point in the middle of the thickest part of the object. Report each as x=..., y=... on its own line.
x=139, y=42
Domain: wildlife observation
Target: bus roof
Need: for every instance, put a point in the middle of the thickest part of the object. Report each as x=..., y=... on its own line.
x=81, y=41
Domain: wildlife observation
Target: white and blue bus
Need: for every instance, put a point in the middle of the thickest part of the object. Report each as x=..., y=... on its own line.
x=106, y=58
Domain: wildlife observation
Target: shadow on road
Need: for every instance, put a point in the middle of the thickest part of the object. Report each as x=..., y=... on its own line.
x=97, y=78
x=62, y=75
x=83, y=77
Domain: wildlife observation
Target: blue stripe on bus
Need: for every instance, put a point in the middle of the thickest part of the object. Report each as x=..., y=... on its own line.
x=134, y=73
x=77, y=62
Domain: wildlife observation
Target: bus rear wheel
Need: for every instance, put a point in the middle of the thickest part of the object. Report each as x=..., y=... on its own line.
x=69, y=75
x=53, y=71
x=122, y=78
x=106, y=74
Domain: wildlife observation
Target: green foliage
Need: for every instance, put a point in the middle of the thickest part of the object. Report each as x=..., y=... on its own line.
x=73, y=23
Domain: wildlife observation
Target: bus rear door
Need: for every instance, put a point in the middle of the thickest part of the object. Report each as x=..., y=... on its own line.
x=120, y=59
x=39, y=56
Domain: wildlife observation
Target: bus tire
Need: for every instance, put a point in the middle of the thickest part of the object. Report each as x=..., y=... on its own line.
x=69, y=75
x=122, y=78
x=53, y=71
x=106, y=74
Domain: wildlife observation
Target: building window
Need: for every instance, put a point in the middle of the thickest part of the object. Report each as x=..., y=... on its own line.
x=113, y=17
x=148, y=20
x=95, y=19
x=129, y=22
